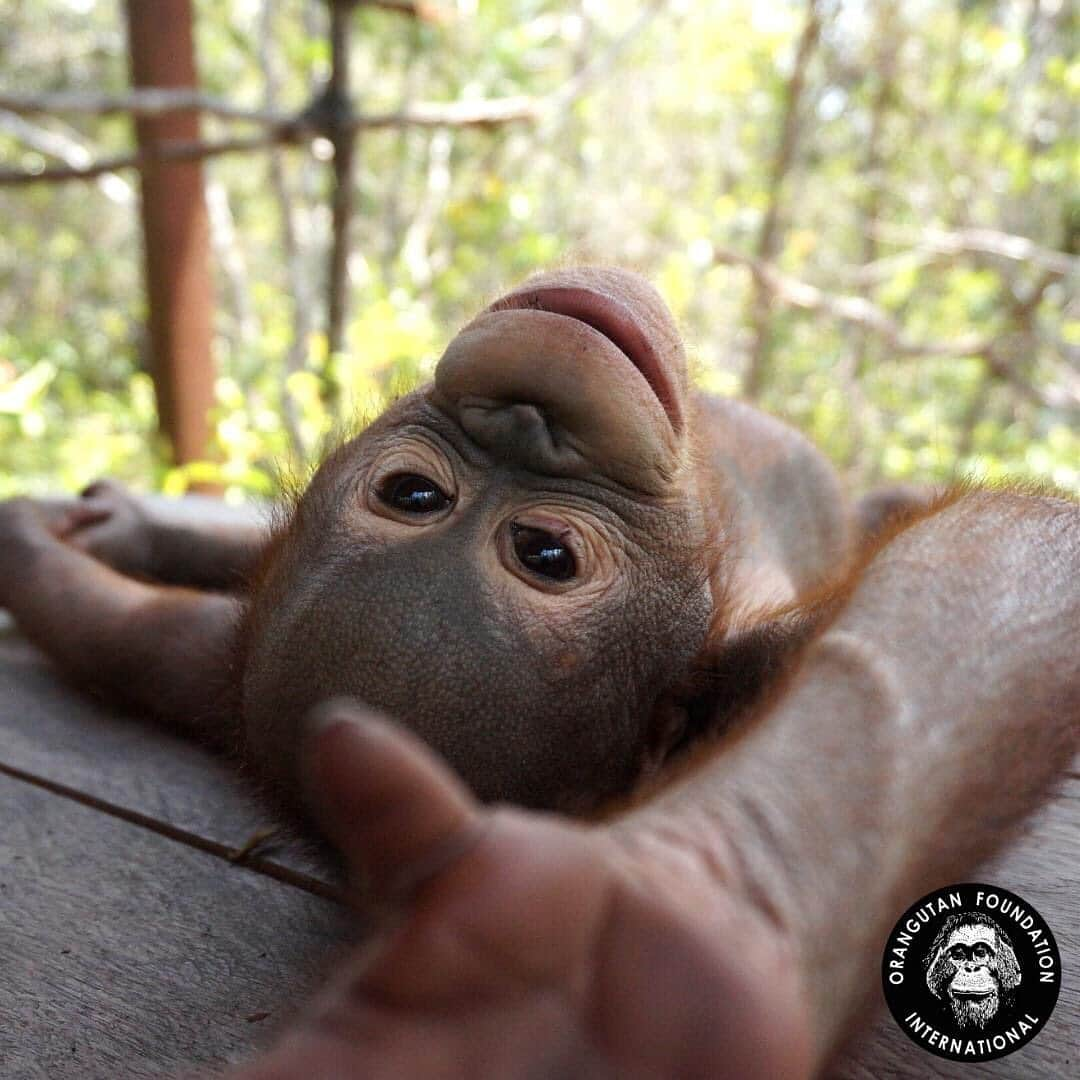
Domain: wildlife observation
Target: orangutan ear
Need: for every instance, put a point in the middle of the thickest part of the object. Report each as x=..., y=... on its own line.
x=668, y=728
x=729, y=682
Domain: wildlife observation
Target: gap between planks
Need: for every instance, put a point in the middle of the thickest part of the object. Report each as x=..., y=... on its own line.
x=258, y=865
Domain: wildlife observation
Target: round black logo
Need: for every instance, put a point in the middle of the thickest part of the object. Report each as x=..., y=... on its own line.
x=971, y=972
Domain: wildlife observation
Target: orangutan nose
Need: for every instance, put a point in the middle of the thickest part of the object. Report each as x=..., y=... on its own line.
x=519, y=434
x=555, y=395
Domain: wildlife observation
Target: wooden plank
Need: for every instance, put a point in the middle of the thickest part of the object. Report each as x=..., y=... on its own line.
x=123, y=953
x=52, y=731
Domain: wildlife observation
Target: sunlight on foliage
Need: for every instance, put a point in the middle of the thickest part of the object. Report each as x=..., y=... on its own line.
x=917, y=120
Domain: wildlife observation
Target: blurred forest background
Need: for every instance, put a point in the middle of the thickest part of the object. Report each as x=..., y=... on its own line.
x=866, y=215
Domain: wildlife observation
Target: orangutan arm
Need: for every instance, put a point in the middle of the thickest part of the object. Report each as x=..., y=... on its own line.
x=165, y=650
x=923, y=723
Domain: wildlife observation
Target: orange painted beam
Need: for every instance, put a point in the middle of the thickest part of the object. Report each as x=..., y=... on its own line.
x=176, y=231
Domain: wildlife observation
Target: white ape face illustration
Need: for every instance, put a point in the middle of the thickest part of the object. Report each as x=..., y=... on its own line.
x=973, y=970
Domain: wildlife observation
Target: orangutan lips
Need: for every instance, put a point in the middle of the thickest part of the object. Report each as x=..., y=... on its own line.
x=612, y=319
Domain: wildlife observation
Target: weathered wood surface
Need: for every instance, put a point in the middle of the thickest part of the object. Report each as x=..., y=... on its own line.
x=126, y=954
x=1043, y=868
x=56, y=733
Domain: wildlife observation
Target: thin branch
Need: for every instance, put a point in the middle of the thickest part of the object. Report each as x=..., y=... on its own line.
x=230, y=256
x=783, y=157
x=145, y=101
x=972, y=416
x=335, y=106
x=888, y=40
x=855, y=310
x=487, y=113
x=939, y=242
x=298, y=129
x=415, y=252
x=858, y=311
x=153, y=102
x=67, y=149
x=1024, y=308
x=298, y=286
x=391, y=218
x=1009, y=350
x=601, y=64
x=883, y=269
x=166, y=151
x=769, y=234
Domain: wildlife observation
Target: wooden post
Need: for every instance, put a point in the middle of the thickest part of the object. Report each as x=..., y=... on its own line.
x=175, y=231
x=337, y=110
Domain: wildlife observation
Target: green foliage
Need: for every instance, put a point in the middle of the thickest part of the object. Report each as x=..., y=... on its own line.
x=916, y=116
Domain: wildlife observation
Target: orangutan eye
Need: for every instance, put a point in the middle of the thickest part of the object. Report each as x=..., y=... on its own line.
x=543, y=553
x=413, y=494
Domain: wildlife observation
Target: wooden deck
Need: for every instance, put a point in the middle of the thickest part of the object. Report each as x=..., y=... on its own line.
x=131, y=945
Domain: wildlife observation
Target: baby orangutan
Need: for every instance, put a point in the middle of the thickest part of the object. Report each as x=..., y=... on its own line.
x=527, y=561
x=557, y=565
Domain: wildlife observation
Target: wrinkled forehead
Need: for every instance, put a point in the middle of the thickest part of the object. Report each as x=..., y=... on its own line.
x=973, y=934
